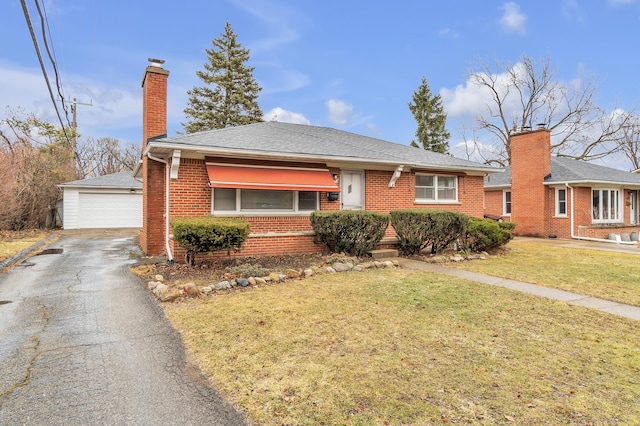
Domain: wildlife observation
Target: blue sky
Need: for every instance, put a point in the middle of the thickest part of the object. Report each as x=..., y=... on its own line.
x=346, y=64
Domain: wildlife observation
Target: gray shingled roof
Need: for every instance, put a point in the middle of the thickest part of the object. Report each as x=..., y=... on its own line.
x=567, y=170
x=275, y=138
x=115, y=180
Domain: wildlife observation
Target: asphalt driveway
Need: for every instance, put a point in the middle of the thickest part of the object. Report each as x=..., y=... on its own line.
x=83, y=343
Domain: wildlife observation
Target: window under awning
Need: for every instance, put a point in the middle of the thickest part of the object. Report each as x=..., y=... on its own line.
x=222, y=175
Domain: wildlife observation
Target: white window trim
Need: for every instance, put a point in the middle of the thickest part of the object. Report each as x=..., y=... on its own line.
x=620, y=212
x=266, y=212
x=435, y=182
x=504, y=202
x=557, y=202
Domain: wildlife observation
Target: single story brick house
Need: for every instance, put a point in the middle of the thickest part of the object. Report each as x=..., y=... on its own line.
x=275, y=174
x=555, y=196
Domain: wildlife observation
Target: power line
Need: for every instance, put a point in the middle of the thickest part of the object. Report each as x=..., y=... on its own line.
x=44, y=70
x=44, y=23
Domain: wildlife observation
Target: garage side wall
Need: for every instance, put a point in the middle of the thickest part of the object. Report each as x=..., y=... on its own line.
x=70, y=208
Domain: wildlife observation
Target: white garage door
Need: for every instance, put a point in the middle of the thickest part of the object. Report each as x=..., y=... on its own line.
x=109, y=210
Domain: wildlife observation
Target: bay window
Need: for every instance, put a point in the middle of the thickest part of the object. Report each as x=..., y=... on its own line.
x=606, y=205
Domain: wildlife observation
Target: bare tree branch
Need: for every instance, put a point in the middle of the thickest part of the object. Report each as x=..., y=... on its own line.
x=526, y=93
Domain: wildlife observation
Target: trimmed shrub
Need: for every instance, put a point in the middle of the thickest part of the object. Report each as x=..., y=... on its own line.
x=355, y=232
x=487, y=234
x=207, y=234
x=418, y=229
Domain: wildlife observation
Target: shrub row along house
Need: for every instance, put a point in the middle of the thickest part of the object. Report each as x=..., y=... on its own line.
x=554, y=196
x=275, y=174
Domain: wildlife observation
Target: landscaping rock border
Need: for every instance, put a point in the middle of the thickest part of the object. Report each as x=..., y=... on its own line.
x=166, y=293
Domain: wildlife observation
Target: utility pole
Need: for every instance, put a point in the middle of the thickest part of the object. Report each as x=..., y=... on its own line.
x=74, y=128
x=74, y=123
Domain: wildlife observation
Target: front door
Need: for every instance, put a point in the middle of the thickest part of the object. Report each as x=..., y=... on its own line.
x=352, y=190
x=633, y=207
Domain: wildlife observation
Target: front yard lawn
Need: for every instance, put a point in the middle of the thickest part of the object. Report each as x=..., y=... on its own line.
x=410, y=347
x=607, y=275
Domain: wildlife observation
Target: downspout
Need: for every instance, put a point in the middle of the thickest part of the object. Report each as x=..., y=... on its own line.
x=576, y=237
x=166, y=202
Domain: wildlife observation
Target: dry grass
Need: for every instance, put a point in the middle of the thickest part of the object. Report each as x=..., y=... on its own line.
x=12, y=243
x=405, y=347
x=607, y=275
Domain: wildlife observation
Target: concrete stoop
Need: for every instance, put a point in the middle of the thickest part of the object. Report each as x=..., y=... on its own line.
x=383, y=254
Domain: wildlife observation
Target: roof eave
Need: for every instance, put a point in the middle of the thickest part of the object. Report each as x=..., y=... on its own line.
x=497, y=187
x=62, y=185
x=592, y=183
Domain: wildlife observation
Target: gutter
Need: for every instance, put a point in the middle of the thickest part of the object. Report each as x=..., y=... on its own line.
x=166, y=213
x=601, y=240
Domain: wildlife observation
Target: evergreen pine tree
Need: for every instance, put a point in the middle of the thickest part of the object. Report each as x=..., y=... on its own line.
x=427, y=109
x=230, y=94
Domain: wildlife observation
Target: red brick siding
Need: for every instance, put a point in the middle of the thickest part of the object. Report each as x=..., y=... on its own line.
x=154, y=123
x=191, y=197
x=493, y=203
x=190, y=193
x=380, y=198
x=530, y=163
x=560, y=226
x=603, y=232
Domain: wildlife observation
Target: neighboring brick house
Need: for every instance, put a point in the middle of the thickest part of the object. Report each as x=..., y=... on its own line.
x=556, y=196
x=275, y=174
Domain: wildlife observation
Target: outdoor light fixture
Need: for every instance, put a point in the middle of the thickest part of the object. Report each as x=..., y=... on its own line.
x=333, y=196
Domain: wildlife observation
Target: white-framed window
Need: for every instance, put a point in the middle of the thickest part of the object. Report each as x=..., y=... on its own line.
x=606, y=205
x=506, y=203
x=231, y=200
x=436, y=188
x=561, y=201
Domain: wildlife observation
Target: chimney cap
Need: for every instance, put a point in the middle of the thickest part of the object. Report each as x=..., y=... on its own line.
x=156, y=62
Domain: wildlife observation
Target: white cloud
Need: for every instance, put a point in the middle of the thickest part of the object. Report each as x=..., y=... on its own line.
x=474, y=150
x=281, y=79
x=284, y=116
x=464, y=100
x=512, y=20
x=621, y=2
x=374, y=129
x=281, y=22
x=448, y=32
x=340, y=112
x=113, y=109
x=572, y=11
x=25, y=88
x=470, y=100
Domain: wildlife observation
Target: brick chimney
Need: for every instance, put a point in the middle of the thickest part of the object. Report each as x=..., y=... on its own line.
x=530, y=163
x=154, y=123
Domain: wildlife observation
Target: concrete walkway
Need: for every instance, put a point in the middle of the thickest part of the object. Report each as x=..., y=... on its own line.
x=608, y=306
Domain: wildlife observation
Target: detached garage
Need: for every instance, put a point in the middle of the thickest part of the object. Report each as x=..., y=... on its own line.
x=110, y=201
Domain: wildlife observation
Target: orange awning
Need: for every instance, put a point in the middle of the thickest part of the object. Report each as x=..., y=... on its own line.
x=241, y=176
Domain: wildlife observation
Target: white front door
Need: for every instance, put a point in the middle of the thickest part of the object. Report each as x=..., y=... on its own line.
x=352, y=190
x=633, y=207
